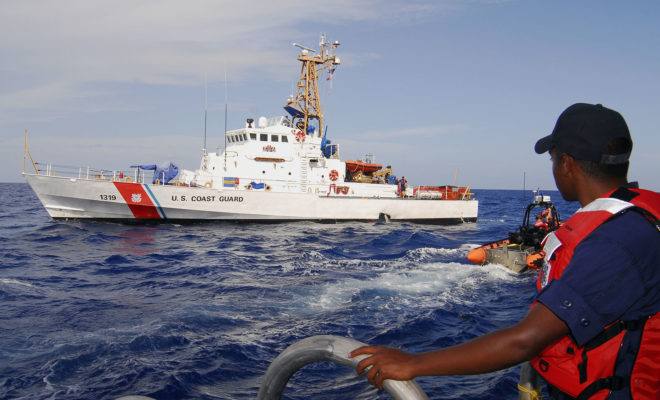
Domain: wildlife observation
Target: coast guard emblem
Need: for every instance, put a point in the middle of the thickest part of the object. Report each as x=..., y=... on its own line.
x=136, y=197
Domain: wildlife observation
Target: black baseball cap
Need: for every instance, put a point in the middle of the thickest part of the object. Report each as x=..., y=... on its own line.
x=585, y=130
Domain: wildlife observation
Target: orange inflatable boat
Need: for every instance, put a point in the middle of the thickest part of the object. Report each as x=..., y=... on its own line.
x=521, y=251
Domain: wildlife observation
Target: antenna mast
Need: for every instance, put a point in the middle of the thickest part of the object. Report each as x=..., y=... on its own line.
x=306, y=105
x=225, y=166
x=206, y=107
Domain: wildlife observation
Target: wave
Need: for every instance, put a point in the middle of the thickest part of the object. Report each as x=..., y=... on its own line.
x=101, y=310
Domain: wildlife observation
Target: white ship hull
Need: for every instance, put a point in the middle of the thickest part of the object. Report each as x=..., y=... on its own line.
x=282, y=168
x=80, y=198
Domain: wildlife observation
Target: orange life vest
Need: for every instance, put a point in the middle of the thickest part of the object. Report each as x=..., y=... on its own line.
x=540, y=224
x=588, y=372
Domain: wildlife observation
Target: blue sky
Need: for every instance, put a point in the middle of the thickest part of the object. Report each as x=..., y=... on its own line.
x=441, y=90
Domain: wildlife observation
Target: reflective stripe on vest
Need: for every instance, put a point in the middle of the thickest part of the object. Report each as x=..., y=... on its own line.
x=552, y=243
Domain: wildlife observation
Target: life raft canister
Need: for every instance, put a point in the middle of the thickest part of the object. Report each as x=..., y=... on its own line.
x=588, y=372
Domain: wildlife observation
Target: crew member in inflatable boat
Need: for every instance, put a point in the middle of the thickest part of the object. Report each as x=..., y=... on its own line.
x=548, y=218
x=594, y=330
x=540, y=223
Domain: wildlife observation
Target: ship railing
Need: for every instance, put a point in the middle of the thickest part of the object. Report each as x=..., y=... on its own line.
x=442, y=192
x=89, y=173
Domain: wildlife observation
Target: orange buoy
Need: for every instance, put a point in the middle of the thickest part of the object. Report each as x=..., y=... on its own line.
x=477, y=256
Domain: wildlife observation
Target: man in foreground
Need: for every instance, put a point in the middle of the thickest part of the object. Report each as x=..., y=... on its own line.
x=594, y=329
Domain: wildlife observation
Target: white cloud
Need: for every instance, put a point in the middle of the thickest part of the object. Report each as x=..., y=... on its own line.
x=419, y=131
x=43, y=96
x=52, y=50
x=166, y=41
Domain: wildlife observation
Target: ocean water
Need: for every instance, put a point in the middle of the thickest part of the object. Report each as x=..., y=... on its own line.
x=93, y=310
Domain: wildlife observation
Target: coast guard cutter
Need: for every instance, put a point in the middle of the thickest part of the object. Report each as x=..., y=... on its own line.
x=273, y=169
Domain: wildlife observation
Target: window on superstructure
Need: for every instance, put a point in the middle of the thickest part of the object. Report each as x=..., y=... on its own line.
x=244, y=137
x=285, y=139
x=263, y=137
x=274, y=138
x=253, y=136
x=231, y=139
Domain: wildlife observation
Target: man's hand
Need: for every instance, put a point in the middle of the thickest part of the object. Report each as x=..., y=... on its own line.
x=384, y=363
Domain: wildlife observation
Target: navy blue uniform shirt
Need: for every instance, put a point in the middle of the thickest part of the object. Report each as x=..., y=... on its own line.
x=614, y=274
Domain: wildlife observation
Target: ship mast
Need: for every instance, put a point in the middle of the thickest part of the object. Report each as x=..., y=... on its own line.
x=306, y=106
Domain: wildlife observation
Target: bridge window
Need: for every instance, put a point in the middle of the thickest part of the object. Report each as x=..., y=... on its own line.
x=253, y=136
x=285, y=139
x=274, y=138
x=263, y=137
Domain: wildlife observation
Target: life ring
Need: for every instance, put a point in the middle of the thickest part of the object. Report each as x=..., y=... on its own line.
x=249, y=187
x=268, y=188
x=128, y=179
x=207, y=185
x=300, y=136
x=334, y=175
x=157, y=181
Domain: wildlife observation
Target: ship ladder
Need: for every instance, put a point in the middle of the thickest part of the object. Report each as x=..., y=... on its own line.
x=304, y=162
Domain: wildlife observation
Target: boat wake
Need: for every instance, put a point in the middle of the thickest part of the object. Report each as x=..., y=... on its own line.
x=199, y=311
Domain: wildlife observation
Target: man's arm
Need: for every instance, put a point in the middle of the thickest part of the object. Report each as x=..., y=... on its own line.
x=491, y=352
